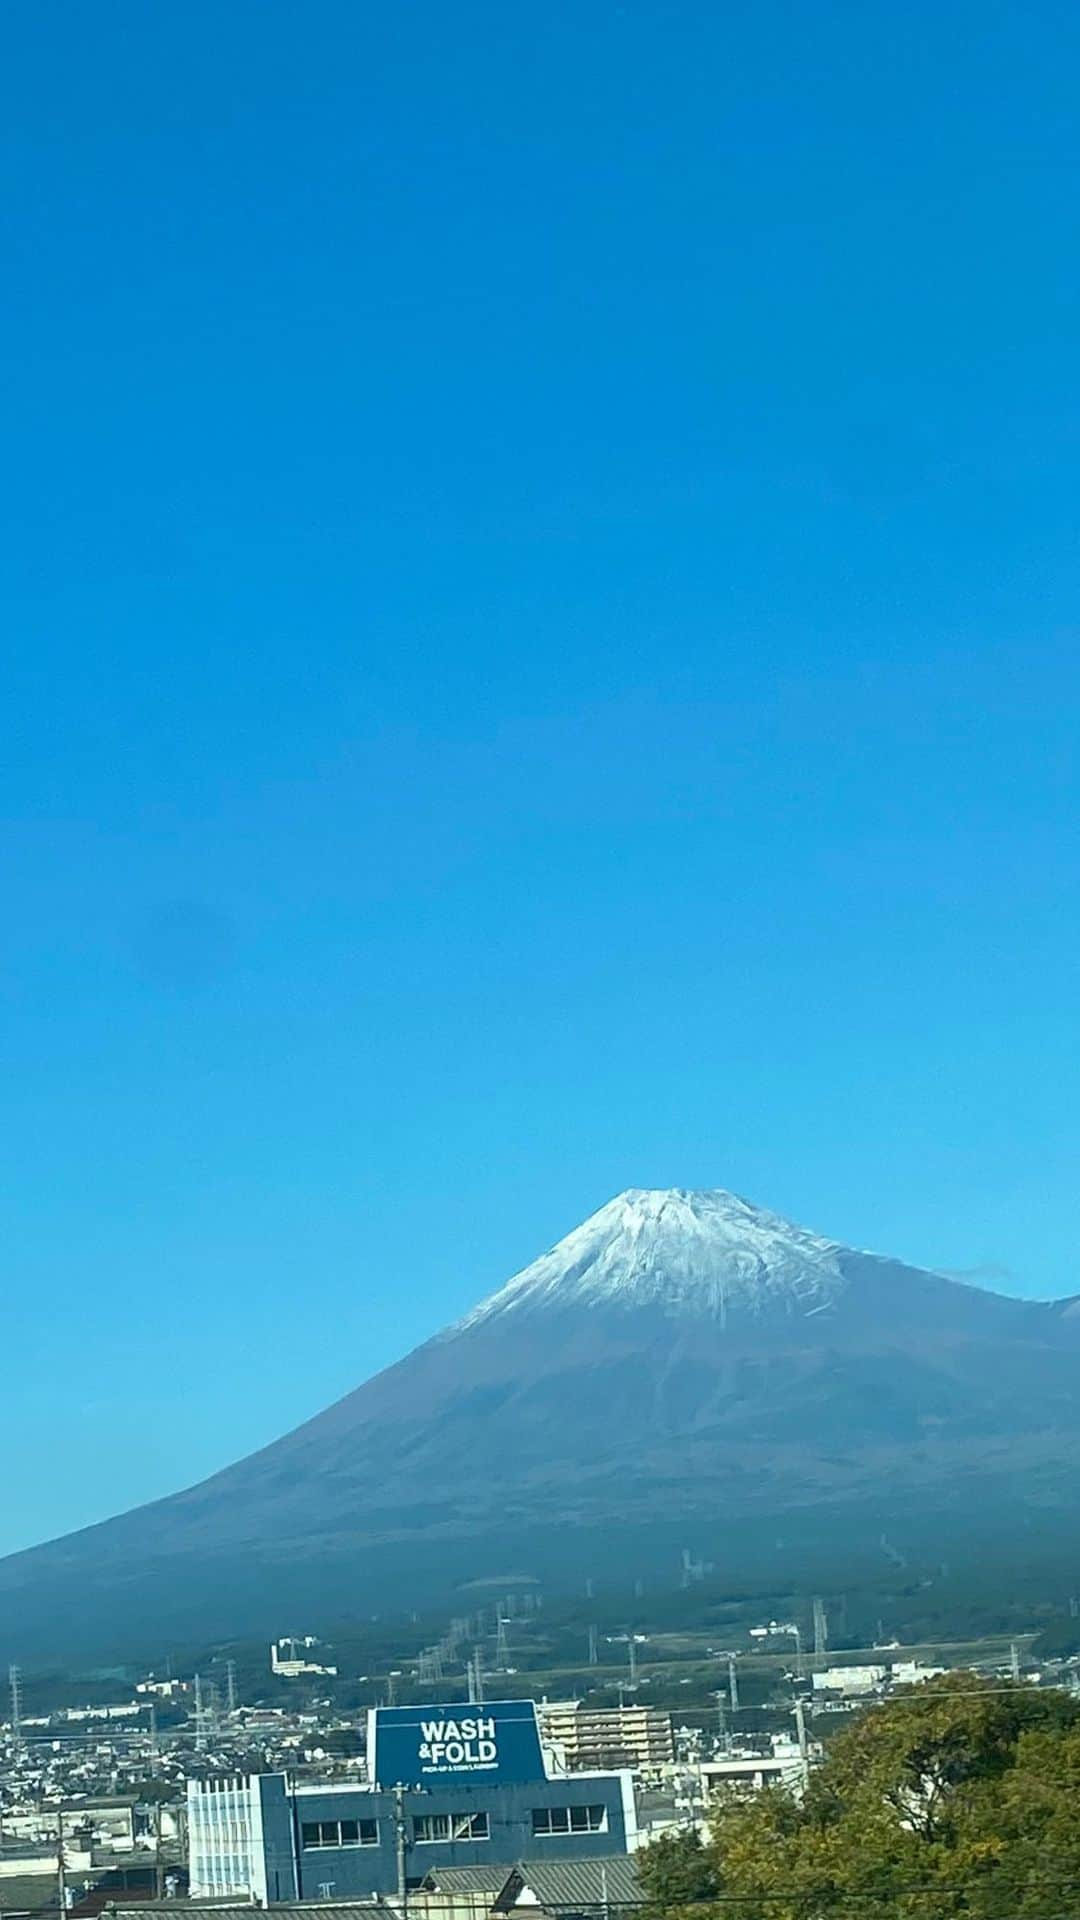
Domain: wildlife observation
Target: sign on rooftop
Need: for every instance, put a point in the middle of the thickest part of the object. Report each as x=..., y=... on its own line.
x=420, y=1746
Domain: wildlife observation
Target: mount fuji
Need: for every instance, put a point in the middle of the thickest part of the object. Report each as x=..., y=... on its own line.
x=683, y=1367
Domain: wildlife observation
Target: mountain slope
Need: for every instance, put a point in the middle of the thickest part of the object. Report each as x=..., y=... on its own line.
x=680, y=1362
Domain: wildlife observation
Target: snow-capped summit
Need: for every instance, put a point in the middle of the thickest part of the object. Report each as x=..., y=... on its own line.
x=683, y=1252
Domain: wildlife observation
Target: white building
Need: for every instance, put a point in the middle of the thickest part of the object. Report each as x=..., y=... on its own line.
x=909, y=1673
x=748, y=1773
x=849, y=1681
x=286, y=1660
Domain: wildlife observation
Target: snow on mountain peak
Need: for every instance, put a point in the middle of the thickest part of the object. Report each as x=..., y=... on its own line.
x=679, y=1251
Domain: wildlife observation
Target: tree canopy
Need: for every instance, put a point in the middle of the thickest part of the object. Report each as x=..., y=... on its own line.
x=955, y=1797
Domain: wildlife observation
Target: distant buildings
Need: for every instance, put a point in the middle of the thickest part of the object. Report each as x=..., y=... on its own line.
x=852, y=1683
x=627, y=1736
x=911, y=1673
x=289, y=1663
x=848, y=1681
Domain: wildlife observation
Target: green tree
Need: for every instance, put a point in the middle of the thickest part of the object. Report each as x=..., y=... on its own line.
x=677, y=1870
x=956, y=1797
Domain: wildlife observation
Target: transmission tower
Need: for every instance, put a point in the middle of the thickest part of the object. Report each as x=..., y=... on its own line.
x=502, y=1651
x=821, y=1627
x=15, y=1683
x=733, y=1685
x=200, y=1716
x=593, y=1655
x=230, y=1685
x=633, y=1664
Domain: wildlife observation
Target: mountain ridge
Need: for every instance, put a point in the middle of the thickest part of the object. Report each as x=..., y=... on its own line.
x=682, y=1359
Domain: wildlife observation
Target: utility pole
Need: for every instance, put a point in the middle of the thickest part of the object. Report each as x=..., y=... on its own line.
x=159, y=1885
x=633, y=1665
x=200, y=1718
x=401, y=1838
x=15, y=1683
x=479, y=1669
x=153, y=1736
x=804, y=1751
x=61, y=1864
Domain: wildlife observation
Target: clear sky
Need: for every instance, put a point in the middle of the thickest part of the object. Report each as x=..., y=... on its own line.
x=541, y=611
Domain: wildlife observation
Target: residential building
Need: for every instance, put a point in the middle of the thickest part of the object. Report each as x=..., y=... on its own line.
x=582, y=1737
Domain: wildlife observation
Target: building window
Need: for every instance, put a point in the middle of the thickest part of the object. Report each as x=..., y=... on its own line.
x=429, y=1827
x=555, y=1820
x=339, y=1833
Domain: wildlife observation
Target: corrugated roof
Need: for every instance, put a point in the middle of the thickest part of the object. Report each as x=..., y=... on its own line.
x=85, y=1802
x=583, y=1883
x=490, y=1879
x=243, y=1909
x=572, y=1885
x=234, y=1909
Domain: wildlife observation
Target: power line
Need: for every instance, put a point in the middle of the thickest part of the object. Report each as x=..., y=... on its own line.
x=824, y=1896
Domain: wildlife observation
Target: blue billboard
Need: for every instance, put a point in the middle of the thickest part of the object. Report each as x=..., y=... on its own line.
x=418, y=1746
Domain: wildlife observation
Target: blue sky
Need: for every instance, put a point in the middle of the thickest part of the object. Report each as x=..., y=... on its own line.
x=541, y=608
